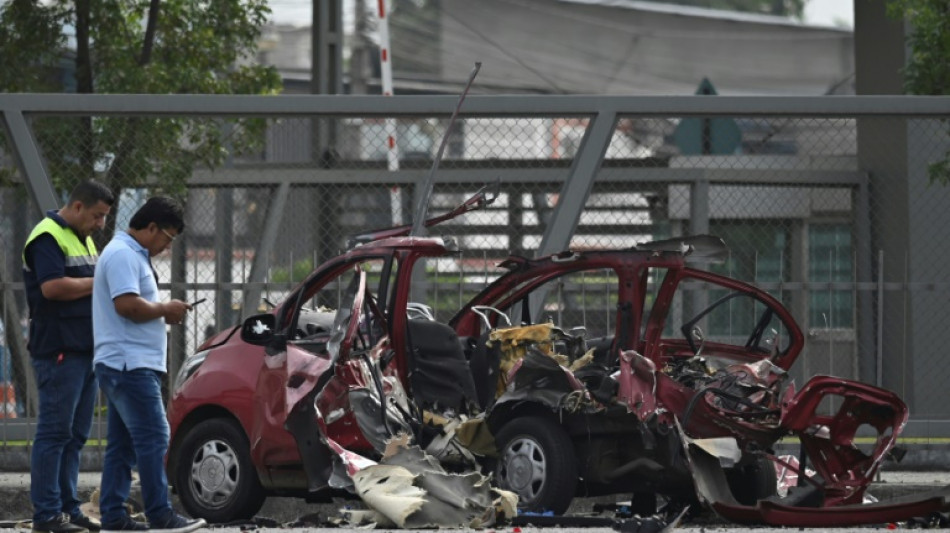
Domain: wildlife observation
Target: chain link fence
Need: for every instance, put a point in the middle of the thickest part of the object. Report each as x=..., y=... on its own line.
x=786, y=193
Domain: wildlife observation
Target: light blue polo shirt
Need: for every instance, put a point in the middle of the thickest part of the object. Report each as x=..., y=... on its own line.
x=122, y=344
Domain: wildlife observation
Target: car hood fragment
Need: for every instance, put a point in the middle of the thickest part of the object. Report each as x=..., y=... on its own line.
x=409, y=489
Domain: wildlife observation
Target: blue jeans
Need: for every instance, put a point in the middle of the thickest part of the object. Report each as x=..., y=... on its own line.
x=67, y=396
x=137, y=436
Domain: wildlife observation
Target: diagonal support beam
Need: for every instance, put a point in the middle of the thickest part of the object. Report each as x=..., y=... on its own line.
x=574, y=193
x=275, y=214
x=28, y=160
x=580, y=180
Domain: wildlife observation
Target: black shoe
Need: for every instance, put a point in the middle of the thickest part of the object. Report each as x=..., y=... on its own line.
x=126, y=524
x=175, y=523
x=58, y=524
x=87, y=522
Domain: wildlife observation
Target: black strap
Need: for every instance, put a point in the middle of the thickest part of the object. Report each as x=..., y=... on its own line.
x=154, y=273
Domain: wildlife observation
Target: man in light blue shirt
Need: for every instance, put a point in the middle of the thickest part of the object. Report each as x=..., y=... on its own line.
x=130, y=343
x=121, y=342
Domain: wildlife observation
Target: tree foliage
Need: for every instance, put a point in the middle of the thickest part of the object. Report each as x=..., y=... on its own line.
x=928, y=67
x=136, y=46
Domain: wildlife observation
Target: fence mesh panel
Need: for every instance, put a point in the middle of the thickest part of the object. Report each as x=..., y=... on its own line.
x=788, y=199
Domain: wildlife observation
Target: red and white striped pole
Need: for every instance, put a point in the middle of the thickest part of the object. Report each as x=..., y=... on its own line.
x=392, y=148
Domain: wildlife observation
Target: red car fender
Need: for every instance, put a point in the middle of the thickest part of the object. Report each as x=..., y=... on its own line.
x=829, y=439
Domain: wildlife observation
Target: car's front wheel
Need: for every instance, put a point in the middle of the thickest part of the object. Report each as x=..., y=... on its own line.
x=537, y=462
x=214, y=477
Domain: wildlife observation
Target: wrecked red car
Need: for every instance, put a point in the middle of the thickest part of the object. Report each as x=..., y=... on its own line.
x=677, y=396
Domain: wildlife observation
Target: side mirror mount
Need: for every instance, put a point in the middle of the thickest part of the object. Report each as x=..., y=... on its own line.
x=259, y=329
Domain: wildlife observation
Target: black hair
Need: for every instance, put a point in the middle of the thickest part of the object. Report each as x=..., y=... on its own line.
x=91, y=192
x=165, y=212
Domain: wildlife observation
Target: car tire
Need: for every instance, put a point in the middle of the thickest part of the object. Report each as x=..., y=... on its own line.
x=753, y=481
x=536, y=461
x=215, y=478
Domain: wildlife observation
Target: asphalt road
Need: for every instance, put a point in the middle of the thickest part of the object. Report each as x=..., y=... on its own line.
x=15, y=507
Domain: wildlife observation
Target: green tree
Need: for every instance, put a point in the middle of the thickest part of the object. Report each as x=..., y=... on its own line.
x=928, y=67
x=136, y=46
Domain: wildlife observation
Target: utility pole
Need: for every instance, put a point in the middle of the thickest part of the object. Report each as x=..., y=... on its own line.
x=326, y=70
x=359, y=58
x=326, y=78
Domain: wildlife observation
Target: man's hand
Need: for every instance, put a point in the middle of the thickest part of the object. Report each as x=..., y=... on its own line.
x=174, y=311
x=138, y=309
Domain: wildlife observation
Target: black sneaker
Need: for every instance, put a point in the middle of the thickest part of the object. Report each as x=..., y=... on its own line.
x=126, y=524
x=87, y=522
x=58, y=524
x=175, y=523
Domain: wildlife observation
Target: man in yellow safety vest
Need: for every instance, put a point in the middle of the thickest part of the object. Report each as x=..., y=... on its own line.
x=59, y=260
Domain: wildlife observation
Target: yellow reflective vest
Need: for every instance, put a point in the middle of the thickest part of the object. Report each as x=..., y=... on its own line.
x=60, y=326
